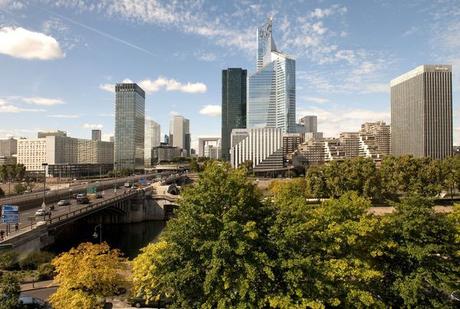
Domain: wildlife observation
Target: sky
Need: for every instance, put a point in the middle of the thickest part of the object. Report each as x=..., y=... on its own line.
x=60, y=59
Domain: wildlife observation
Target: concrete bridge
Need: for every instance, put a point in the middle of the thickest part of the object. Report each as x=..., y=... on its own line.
x=121, y=206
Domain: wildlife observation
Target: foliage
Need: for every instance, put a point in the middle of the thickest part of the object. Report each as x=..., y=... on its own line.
x=145, y=267
x=12, y=172
x=418, y=260
x=217, y=253
x=45, y=271
x=19, y=188
x=8, y=260
x=397, y=176
x=9, y=291
x=35, y=259
x=85, y=274
x=324, y=256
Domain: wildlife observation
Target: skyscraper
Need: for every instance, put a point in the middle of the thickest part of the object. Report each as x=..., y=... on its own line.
x=179, y=133
x=271, y=90
x=310, y=123
x=129, y=126
x=96, y=135
x=234, y=82
x=421, y=112
x=152, y=139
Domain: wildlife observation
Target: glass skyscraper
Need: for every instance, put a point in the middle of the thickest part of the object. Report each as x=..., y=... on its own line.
x=152, y=139
x=129, y=126
x=271, y=90
x=234, y=81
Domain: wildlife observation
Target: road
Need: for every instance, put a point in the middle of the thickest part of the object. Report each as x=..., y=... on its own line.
x=28, y=220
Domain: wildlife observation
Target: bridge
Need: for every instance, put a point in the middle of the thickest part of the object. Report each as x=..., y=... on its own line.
x=117, y=206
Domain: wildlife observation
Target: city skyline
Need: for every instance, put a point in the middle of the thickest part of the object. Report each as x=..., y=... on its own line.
x=343, y=70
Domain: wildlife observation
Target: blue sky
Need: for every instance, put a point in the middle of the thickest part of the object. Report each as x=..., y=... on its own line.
x=59, y=59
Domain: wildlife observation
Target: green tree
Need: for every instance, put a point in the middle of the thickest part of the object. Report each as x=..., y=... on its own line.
x=316, y=186
x=9, y=291
x=418, y=257
x=85, y=275
x=19, y=188
x=9, y=260
x=324, y=255
x=218, y=254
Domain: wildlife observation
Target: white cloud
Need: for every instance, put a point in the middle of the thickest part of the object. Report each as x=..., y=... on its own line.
x=205, y=56
x=41, y=101
x=65, y=116
x=160, y=83
x=316, y=100
x=211, y=110
x=25, y=44
x=92, y=126
x=6, y=107
x=334, y=9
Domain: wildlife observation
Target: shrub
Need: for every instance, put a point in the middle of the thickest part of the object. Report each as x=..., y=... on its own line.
x=45, y=271
x=34, y=259
x=9, y=260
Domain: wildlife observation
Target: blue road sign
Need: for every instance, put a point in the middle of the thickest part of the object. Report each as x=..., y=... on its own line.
x=10, y=214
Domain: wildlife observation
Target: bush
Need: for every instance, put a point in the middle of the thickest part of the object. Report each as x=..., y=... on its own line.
x=19, y=188
x=45, y=271
x=34, y=259
x=9, y=260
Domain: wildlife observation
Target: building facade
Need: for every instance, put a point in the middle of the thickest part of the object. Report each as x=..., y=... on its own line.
x=129, y=126
x=421, y=112
x=374, y=140
x=8, y=147
x=152, y=139
x=262, y=146
x=310, y=123
x=234, y=92
x=209, y=147
x=96, y=135
x=271, y=100
x=165, y=153
x=179, y=133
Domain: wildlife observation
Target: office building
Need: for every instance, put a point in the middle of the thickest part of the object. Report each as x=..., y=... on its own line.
x=312, y=135
x=8, y=147
x=262, y=146
x=56, y=150
x=421, y=112
x=290, y=143
x=96, y=135
x=179, y=133
x=374, y=139
x=129, y=126
x=165, y=153
x=310, y=123
x=152, y=139
x=234, y=88
x=271, y=100
x=209, y=147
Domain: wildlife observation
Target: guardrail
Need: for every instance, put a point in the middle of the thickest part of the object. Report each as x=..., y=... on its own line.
x=91, y=206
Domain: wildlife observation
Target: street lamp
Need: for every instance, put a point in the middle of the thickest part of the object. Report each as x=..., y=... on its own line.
x=95, y=234
x=44, y=183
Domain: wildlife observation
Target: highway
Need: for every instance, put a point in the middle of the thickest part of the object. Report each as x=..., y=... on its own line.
x=28, y=220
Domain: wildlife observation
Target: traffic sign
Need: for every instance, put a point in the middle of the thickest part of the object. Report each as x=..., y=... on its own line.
x=10, y=214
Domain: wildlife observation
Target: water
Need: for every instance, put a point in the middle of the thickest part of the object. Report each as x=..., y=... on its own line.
x=129, y=238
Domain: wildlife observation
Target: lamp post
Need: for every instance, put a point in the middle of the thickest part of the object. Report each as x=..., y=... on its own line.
x=44, y=183
x=95, y=234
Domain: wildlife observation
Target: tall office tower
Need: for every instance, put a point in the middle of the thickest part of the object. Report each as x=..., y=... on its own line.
x=152, y=139
x=129, y=126
x=179, y=133
x=96, y=135
x=421, y=112
x=271, y=90
x=8, y=147
x=234, y=82
x=310, y=123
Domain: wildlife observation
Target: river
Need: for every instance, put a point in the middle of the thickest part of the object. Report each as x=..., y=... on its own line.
x=129, y=238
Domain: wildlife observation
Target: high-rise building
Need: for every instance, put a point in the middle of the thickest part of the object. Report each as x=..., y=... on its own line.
x=234, y=82
x=179, y=133
x=8, y=147
x=152, y=139
x=129, y=126
x=421, y=112
x=310, y=123
x=96, y=135
x=271, y=100
x=262, y=146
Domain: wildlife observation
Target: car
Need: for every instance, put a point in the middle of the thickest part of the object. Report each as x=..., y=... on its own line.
x=63, y=203
x=127, y=184
x=99, y=195
x=42, y=212
x=83, y=200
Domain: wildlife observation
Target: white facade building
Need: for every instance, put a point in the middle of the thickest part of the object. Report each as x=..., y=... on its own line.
x=262, y=146
x=179, y=133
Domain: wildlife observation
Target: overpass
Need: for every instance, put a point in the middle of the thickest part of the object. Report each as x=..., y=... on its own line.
x=120, y=206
